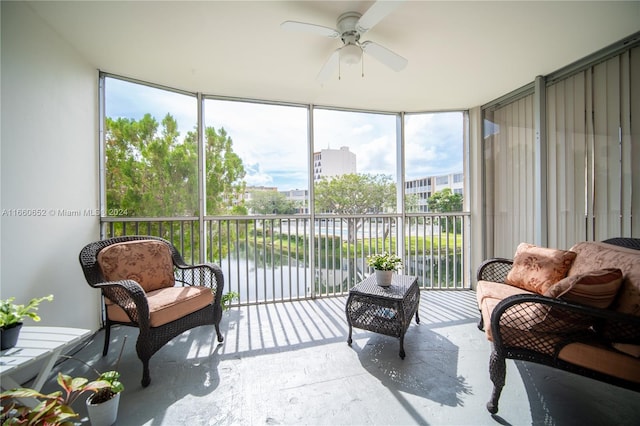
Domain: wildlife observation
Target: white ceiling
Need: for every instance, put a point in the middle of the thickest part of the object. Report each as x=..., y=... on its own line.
x=461, y=54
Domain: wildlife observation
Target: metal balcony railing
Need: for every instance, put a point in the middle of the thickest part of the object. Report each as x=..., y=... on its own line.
x=291, y=257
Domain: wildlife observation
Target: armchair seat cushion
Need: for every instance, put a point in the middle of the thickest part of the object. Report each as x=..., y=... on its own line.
x=167, y=304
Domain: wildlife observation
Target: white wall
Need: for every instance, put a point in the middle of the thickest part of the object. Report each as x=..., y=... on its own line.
x=49, y=161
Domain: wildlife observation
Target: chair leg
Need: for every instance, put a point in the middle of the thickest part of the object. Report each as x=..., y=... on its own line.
x=146, y=376
x=481, y=323
x=497, y=372
x=220, y=338
x=107, y=338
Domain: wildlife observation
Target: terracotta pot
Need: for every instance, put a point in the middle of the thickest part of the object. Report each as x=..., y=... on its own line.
x=383, y=278
x=9, y=336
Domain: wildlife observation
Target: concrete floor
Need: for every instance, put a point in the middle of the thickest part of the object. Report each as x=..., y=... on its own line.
x=289, y=363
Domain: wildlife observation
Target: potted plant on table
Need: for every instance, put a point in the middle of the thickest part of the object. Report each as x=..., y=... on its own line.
x=11, y=317
x=384, y=264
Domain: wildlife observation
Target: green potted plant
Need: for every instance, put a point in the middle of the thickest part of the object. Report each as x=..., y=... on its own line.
x=102, y=406
x=51, y=409
x=55, y=408
x=12, y=315
x=384, y=264
x=227, y=298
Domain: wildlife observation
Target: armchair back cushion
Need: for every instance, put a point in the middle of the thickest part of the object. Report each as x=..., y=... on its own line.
x=147, y=262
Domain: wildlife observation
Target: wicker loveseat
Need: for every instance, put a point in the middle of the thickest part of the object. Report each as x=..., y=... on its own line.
x=146, y=284
x=585, y=318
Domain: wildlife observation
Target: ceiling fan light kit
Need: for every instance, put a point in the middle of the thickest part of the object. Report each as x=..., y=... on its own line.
x=350, y=27
x=350, y=54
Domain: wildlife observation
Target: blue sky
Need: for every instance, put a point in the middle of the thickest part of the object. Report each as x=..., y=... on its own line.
x=272, y=139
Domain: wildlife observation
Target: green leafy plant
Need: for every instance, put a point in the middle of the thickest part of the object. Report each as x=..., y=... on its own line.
x=55, y=408
x=106, y=393
x=384, y=261
x=52, y=409
x=11, y=314
x=227, y=298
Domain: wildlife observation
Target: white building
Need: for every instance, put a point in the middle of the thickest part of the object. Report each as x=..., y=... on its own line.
x=300, y=196
x=333, y=162
x=425, y=187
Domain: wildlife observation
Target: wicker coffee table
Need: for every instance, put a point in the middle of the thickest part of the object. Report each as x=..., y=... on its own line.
x=384, y=310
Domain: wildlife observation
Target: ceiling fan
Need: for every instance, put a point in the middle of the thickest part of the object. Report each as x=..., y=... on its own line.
x=350, y=27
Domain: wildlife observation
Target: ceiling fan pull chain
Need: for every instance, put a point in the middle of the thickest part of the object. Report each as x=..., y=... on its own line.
x=362, y=66
x=339, y=69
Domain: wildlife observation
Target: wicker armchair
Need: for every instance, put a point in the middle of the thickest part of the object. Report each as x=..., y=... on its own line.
x=159, y=316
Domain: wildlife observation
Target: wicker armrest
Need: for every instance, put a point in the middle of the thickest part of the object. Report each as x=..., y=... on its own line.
x=544, y=317
x=206, y=274
x=495, y=270
x=131, y=297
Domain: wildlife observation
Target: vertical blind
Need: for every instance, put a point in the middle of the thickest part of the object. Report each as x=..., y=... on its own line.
x=594, y=156
x=509, y=176
x=592, y=163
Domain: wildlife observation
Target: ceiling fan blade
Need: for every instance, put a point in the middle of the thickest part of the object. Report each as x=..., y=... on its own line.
x=309, y=28
x=329, y=67
x=376, y=13
x=384, y=55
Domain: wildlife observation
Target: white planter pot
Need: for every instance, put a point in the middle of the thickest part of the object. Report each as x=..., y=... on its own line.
x=383, y=278
x=103, y=414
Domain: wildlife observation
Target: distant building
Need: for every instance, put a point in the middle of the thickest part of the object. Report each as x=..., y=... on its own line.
x=333, y=162
x=250, y=189
x=300, y=196
x=425, y=187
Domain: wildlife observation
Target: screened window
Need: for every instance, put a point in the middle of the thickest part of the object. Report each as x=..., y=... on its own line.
x=151, y=151
x=357, y=155
x=433, y=151
x=257, y=158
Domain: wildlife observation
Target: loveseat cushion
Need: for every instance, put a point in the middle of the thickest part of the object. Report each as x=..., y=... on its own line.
x=167, y=304
x=489, y=294
x=534, y=320
x=147, y=262
x=498, y=291
x=596, y=255
x=602, y=359
x=594, y=288
x=633, y=350
x=537, y=268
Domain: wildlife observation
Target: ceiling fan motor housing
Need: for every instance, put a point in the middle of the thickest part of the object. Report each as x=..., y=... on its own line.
x=347, y=27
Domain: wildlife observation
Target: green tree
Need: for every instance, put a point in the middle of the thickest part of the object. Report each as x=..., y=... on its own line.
x=270, y=202
x=445, y=201
x=355, y=194
x=152, y=173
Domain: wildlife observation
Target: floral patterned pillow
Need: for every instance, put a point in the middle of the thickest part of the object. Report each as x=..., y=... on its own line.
x=147, y=262
x=537, y=268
